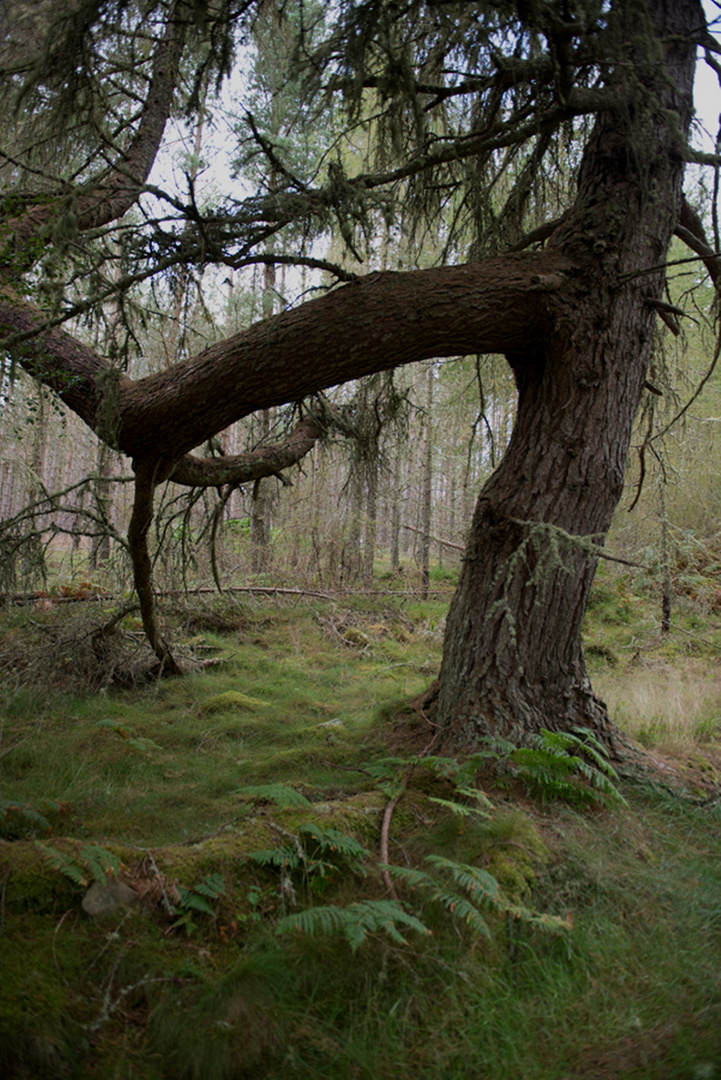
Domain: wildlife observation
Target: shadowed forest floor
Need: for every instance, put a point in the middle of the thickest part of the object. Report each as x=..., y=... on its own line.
x=243, y=806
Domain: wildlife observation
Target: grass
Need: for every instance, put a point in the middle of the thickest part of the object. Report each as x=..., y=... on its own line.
x=633, y=991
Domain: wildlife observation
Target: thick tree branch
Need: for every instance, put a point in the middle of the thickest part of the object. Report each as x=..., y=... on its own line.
x=377, y=323
x=265, y=461
x=81, y=378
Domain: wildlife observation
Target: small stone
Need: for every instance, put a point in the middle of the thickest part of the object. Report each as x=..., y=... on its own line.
x=107, y=897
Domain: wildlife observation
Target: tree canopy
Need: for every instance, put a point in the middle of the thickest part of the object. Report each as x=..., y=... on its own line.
x=530, y=155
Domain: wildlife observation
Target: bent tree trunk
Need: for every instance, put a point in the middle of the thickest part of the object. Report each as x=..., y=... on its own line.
x=513, y=658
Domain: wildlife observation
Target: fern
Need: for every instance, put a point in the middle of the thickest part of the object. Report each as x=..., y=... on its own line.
x=281, y=794
x=212, y=887
x=355, y=922
x=332, y=842
x=95, y=863
x=556, y=767
x=479, y=884
x=29, y=814
x=284, y=857
x=481, y=889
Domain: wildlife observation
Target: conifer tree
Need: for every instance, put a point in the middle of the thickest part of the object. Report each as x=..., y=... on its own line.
x=470, y=106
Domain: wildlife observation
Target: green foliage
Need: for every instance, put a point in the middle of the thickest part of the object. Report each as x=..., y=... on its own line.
x=281, y=794
x=355, y=923
x=198, y=899
x=311, y=860
x=94, y=863
x=17, y=817
x=568, y=766
x=390, y=773
x=463, y=890
x=137, y=742
x=447, y=1004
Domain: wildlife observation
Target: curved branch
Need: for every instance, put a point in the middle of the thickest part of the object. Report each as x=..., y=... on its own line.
x=265, y=461
x=108, y=198
x=380, y=322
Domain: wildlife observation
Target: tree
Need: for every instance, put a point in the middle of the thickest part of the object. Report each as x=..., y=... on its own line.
x=471, y=106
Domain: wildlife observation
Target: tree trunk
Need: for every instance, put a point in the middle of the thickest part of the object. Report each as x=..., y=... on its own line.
x=102, y=497
x=371, y=524
x=426, y=490
x=513, y=658
x=140, y=522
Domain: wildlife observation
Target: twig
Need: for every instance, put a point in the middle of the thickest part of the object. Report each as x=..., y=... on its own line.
x=169, y=909
x=55, y=955
x=585, y=543
x=435, y=539
x=697, y=637
x=388, y=813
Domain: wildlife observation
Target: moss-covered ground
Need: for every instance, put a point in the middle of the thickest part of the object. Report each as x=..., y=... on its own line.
x=172, y=786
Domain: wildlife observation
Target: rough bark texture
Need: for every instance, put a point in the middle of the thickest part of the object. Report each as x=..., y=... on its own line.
x=513, y=660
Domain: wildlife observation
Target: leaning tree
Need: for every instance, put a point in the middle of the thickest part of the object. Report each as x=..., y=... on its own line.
x=471, y=109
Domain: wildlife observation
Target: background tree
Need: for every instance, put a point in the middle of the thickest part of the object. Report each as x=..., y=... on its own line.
x=470, y=109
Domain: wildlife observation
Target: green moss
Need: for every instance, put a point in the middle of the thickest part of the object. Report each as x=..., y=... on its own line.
x=229, y=701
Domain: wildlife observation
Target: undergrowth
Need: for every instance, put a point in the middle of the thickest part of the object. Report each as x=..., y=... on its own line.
x=245, y=807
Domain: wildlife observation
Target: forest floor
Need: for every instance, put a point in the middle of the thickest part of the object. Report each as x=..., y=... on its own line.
x=532, y=925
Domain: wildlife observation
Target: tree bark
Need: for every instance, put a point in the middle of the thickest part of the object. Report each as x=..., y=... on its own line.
x=426, y=488
x=140, y=521
x=513, y=659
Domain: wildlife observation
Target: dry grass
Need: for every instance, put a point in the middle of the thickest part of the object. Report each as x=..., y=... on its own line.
x=671, y=707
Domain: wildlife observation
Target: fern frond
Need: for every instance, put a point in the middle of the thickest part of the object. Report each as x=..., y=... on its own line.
x=102, y=864
x=190, y=899
x=281, y=794
x=461, y=908
x=213, y=885
x=479, y=884
x=63, y=863
x=414, y=879
x=282, y=858
x=94, y=863
x=550, y=924
x=331, y=841
x=29, y=813
x=354, y=922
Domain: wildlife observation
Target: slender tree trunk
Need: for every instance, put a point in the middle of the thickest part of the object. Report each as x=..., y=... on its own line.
x=351, y=561
x=665, y=567
x=140, y=522
x=261, y=506
x=260, y=514
x=100, y=546
x=513, y=659
x=369, y=534
x=427, y=488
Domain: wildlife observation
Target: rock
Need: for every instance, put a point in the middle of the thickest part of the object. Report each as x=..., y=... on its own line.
x=108, y=897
